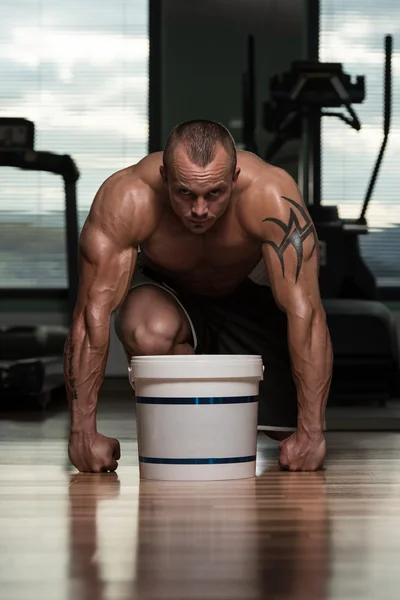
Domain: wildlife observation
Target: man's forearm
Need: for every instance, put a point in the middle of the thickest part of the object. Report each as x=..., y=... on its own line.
x=85, y=357
x=311, y=357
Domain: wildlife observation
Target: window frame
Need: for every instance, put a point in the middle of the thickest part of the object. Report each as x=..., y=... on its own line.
x=386, y=293
x=153, y=144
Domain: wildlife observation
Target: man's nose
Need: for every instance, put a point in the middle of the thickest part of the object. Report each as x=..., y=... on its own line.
x=200, y=207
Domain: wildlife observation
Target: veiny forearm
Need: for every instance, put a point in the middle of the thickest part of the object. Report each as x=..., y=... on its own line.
x=312, y=358
x=85, y=357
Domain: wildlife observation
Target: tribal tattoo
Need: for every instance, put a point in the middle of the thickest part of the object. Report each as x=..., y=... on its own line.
x=295, y=235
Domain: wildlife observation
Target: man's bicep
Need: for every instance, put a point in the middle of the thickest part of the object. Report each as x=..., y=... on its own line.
x=291, y=252
x=293, y=279
x=105, y=269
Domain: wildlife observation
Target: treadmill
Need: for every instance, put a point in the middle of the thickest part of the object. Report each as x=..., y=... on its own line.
x=31, y=357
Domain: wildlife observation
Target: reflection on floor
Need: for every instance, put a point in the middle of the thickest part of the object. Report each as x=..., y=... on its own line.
x=311, y=536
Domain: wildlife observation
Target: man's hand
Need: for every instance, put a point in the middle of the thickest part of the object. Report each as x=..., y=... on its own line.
x=93, y=452
x=299, y=452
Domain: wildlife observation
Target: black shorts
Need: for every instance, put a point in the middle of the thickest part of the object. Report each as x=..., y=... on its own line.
x=247, y=321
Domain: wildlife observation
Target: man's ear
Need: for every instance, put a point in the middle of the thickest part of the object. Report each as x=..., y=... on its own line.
x=236, y=175
x=163, y=174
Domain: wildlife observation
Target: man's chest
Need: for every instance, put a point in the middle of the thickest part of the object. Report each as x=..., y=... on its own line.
x=178, y=251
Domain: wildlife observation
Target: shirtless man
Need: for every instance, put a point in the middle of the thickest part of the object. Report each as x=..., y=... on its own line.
x=202, y=249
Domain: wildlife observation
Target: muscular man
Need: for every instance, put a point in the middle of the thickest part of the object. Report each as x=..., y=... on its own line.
x=202, y=249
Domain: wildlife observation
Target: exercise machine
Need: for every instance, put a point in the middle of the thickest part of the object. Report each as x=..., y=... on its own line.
x=298, y=100
x=363, y=330
x=31, y=357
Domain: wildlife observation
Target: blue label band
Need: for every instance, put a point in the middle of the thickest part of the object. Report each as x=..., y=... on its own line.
x=213, y=400
x=197, y=461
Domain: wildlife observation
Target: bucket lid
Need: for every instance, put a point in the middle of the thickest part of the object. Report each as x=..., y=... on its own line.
x=197, y=366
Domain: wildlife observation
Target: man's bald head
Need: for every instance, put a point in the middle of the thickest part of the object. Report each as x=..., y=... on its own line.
x=200, y=140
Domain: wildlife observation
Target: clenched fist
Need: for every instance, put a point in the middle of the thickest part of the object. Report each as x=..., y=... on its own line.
x=299, y=452
x=93, y=452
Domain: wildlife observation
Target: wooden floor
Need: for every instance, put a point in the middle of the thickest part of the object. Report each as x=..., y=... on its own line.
x=313, y=536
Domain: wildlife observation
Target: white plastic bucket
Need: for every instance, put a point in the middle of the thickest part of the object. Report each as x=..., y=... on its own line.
x=196, y=415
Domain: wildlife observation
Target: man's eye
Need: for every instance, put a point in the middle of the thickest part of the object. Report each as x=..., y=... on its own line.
x=185, y=192
x=215, y=192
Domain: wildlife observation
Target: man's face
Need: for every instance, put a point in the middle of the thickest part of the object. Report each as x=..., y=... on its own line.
x=200, y=195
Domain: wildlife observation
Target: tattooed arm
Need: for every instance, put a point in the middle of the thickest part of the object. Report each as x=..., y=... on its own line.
x=290, y=249
x=108, y=250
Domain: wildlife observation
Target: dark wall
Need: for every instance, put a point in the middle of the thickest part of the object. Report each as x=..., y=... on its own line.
x=204, y=56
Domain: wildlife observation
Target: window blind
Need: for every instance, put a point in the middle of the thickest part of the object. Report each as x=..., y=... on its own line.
x=352, y=32
x=79, y=70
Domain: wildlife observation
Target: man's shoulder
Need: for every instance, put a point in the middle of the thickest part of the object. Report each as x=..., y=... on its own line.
x=147, y=171
x=127, y=198
x=256, y=174
x=141, y=176
x=265, y=194
x=139, y=183
x=261, y=185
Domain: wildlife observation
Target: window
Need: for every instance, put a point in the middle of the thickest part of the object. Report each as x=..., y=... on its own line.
x=352, y=32
x=79, y=71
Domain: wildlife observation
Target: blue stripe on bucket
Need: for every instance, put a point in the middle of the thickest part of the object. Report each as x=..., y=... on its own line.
x=197, y=461
x=213, y=400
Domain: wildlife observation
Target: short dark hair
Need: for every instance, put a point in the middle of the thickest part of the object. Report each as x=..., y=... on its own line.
x=200, y=139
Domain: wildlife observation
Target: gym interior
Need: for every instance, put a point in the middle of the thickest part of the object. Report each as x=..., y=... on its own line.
x=309, y=86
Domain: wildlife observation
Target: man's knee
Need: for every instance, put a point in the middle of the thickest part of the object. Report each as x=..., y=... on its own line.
x=150, y=322
x=152, y=338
